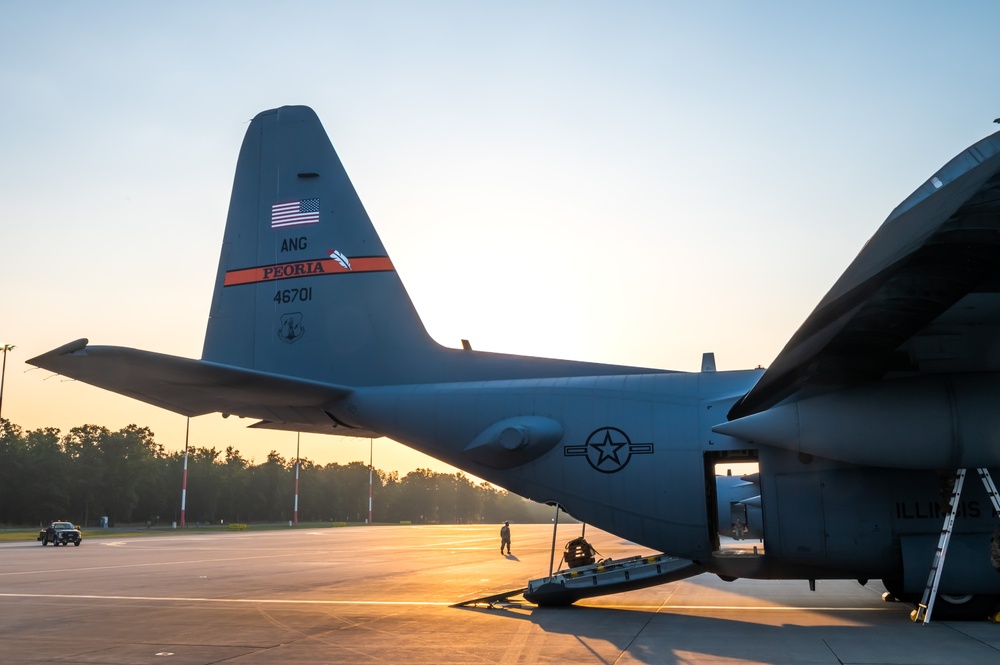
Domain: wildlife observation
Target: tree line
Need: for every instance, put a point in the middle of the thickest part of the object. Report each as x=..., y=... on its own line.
x=126, y=476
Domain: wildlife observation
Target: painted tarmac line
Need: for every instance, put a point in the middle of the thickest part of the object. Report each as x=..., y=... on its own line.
x=148, y=565
x=755, y=608
x=257, y=601
x=427, y=603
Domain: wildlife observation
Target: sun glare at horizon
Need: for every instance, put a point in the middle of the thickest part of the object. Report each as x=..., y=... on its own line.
x=635, y=184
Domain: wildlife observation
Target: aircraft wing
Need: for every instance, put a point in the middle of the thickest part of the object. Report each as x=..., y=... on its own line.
x=922, y=296
x=195, y=387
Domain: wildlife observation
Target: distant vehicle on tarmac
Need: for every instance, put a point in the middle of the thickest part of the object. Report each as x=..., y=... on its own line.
x=60, y=533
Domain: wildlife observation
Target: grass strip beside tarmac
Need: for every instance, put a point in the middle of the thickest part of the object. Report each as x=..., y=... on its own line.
x=20, y=535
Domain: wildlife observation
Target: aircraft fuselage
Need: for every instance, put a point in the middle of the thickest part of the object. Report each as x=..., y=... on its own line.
x=636, y=457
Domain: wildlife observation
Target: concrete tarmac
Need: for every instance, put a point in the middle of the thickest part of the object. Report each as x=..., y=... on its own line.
x=383, y=595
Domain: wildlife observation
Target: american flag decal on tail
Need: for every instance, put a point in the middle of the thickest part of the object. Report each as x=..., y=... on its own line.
x=294, y=213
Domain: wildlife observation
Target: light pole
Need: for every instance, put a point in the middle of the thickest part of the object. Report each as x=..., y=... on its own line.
x=371, y=466
x=3, y=372
x=295, y=510
x=184, y=479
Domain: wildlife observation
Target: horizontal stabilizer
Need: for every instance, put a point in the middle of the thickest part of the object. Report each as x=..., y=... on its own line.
x=195, y=387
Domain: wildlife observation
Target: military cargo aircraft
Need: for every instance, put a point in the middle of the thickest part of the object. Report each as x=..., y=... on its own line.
x=858, y=426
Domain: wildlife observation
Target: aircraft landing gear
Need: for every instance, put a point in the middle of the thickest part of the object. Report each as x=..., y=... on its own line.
x=968, y=607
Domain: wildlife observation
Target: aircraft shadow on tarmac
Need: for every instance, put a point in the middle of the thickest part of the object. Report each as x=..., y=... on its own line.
x=672, y=638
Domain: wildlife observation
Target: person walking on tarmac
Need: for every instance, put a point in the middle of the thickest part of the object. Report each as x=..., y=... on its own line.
x=505, y=537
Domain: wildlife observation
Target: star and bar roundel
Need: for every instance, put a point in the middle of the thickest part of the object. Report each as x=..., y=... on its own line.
x=608, y=449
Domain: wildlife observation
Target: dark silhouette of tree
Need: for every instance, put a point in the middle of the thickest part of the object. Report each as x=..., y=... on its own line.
x=128, y=456
x=235, y=483
x=82, y=444
x=271, y=498
x=206, y=477
x=45, y=475
x=417, y=503
x=12, y=458
x=125, y=475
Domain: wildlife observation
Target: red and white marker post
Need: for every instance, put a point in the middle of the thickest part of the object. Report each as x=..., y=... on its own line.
x=184, y=480
x=295, y=510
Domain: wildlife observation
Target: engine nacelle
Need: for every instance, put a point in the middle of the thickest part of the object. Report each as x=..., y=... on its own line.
x=947, y=421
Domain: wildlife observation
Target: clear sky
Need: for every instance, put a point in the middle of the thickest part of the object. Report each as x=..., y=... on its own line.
x=625, y=182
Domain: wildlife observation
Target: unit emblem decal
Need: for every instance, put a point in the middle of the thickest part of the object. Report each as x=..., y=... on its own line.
x=608, y=449
x=291, y=329
x=341, y=259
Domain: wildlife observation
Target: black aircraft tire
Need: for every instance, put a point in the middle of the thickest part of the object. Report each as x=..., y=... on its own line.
x=971, y=607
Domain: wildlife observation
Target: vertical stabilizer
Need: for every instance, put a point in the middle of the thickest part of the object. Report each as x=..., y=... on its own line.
x=305, y=287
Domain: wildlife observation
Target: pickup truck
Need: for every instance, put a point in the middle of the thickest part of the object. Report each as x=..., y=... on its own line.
x=60, y=533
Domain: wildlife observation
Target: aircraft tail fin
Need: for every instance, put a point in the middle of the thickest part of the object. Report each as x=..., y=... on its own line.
x=305, y=287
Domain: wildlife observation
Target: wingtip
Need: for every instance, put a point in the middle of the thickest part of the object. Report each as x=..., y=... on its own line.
x=72, y=347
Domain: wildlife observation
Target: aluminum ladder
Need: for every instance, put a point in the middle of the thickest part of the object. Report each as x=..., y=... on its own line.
x=926, y=606
x=991, y=488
